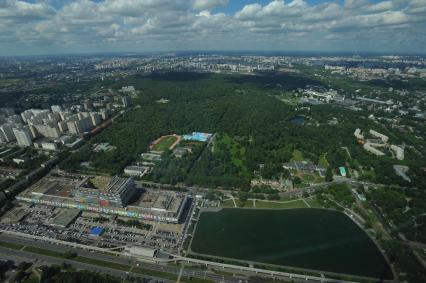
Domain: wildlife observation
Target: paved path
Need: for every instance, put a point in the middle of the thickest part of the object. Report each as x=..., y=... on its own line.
x=180, y=273
x=307, y=204
x=233, y=200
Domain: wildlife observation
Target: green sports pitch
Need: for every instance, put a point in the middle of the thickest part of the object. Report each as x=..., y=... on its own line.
x=164, y=143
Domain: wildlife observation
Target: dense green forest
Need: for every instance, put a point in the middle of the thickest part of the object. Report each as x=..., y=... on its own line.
x=244, y=109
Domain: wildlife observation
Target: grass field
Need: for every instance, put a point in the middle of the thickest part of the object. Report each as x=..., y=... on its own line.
x=246, y=204
x=11, y=245
x=311, y=178
x=108, y=264
x=313, y=202
x=165, y=143
x=44, y=252
x=290, y=204
x=227, y=203
x=155, y=273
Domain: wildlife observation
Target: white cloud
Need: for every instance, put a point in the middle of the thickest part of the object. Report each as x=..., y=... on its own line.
x=192, y=24
x=208, y=4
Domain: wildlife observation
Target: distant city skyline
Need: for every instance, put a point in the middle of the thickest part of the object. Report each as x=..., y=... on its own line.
x=83, y=26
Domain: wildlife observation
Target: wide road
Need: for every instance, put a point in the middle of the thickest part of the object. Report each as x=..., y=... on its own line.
x=198, y=273
x=20, y=256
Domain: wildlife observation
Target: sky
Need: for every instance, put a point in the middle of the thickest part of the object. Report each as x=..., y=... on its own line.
x=35, y=27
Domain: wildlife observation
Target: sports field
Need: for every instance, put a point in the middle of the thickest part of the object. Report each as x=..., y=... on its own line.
x=316, y=239
x=164, y=143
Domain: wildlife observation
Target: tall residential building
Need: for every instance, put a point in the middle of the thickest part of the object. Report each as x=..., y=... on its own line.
x=6, y=133
x=62, y=125
x=105, y=113
x=48, y=131
x=96, y=118
x=85, y=124
x=80, y=126
x=23, y=136
x=127, y=101
x=72, y=127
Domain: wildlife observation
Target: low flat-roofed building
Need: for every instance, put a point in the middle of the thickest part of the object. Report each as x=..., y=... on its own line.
x=141, y=251
x=65, y=217
x=136, y=171
x=96, y=231
x=15, y=215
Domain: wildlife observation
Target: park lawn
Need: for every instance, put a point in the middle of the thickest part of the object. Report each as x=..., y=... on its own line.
x=291, y=204
x=313, y=202
x=11, y=245
x=311, y=178
x=246, y=204
x=41, y=251
x=297, y=155
x=165, y=143
x=308, y=178
x=196, y=280
x=227, y=203
x=9, y=82
x=98, y=262
x=154, y=273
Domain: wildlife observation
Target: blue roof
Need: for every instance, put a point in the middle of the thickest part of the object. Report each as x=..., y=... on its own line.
x=96, y=231
x=197, y=136
x=342, y=171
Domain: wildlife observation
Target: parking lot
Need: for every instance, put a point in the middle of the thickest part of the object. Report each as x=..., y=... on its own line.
x=117, y=232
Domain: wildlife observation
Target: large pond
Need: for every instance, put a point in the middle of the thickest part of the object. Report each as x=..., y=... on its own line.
x=316, y=239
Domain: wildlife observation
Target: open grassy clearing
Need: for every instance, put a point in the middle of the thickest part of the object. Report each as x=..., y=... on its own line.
x=44, y=251
x=297, y=155
x=289, y=204
x=227, y=203
x=11, y=245
x=313, y=202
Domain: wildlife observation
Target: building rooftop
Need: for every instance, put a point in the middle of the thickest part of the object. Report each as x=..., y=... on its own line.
x=65, y=217
x=96, y=231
